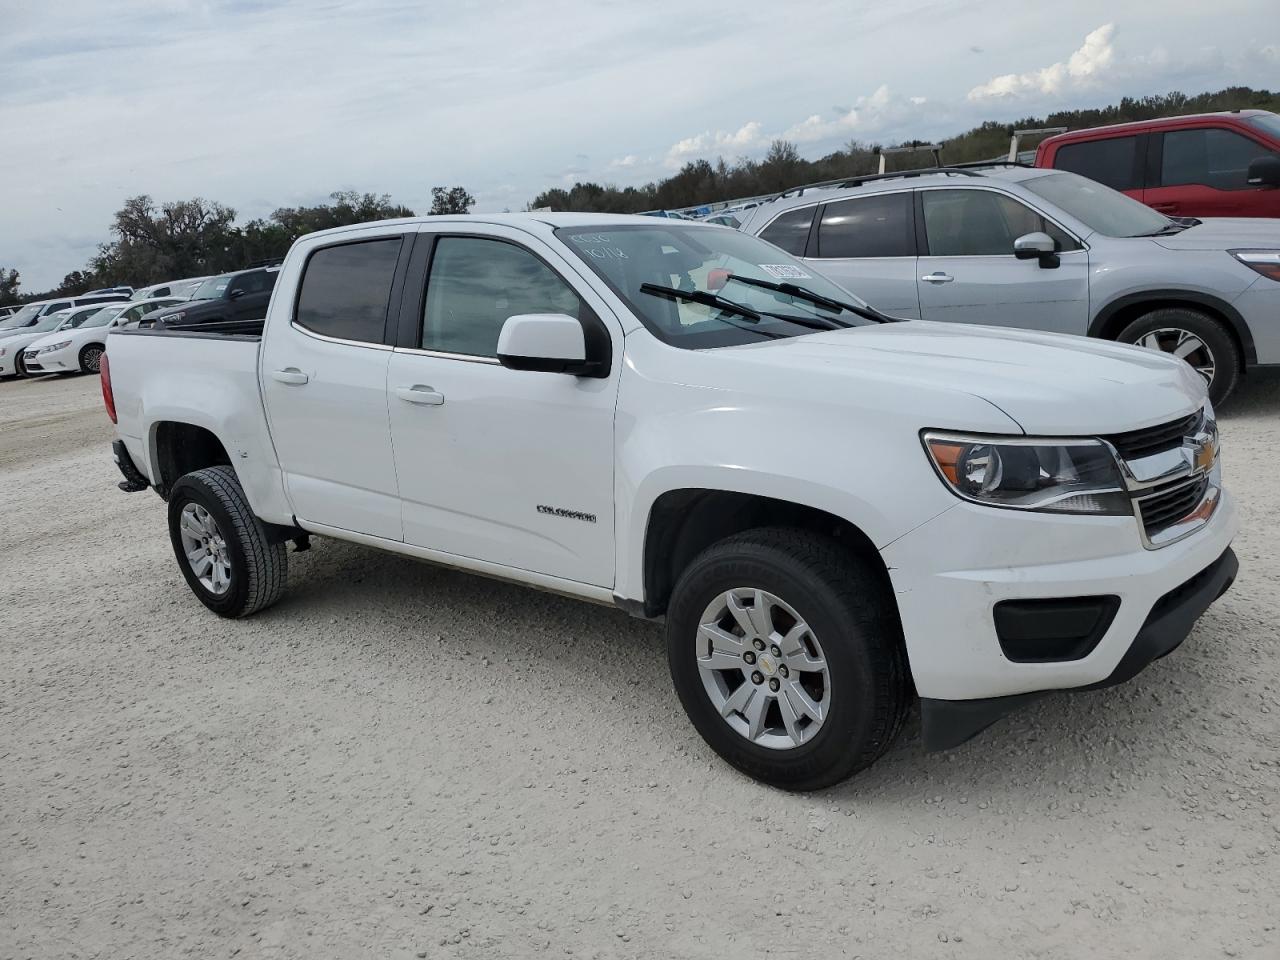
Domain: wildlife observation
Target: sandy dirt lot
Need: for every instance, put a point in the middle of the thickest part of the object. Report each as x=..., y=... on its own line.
x=402, y=761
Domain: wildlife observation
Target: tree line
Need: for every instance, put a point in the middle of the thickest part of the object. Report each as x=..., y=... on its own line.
x=704, y=181
x=151, y=242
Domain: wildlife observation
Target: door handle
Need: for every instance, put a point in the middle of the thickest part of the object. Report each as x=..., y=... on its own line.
x=937, y=277
x=289, y=375
x=420, y=394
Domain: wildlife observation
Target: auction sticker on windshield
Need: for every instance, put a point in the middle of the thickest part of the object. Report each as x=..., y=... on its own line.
x=784, y=271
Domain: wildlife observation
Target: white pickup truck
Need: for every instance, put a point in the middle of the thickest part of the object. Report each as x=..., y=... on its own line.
x=835, y=512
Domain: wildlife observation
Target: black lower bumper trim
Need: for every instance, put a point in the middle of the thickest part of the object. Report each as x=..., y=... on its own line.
x=133, y=480
x=949, y=723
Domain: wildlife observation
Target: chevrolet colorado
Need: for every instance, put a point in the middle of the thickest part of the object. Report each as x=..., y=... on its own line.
x=834, y=512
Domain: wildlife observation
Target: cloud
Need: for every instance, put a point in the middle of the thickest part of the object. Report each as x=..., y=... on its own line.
x=1084, y=68
x=630, y=160
x=745, y=139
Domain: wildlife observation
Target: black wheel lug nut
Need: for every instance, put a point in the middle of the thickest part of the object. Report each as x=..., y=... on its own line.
x=773, y=684
x=758, y=644
x=783, y=671
x=775, y=650
x=757, y=677
x=749, y=657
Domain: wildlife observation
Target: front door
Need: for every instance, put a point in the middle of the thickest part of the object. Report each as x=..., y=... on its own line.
x=250, y=294
x=968, y=273
x=324, y=383
x=1204, y=172
x=512, y=467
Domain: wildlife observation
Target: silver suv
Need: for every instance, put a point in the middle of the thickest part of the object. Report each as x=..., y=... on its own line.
x=1006, y=245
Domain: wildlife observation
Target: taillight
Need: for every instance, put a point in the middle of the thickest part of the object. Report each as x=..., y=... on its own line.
x=104, y=371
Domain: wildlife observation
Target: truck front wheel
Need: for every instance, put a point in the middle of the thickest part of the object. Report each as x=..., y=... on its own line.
x=223, y=549
x=787, y=654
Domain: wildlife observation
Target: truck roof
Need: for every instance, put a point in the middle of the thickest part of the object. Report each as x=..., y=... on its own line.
x=516, y=219
x=1158, y=123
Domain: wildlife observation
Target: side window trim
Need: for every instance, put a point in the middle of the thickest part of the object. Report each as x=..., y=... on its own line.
x=811, y=241
x=922, y=235
x=407, y=243
x=413, y=302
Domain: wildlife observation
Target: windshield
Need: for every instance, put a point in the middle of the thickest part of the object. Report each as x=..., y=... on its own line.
x=22, y=317
x=1268, y=123
x=1098, y=207
x=104, y=316
x=78, y=317
x=51, y=322
x=706, y=260
x=212, y=288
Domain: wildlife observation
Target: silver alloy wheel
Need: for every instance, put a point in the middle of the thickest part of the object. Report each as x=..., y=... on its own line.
x=205, y=548
x=93, y=359
x=1184, y=345
x=763, y=669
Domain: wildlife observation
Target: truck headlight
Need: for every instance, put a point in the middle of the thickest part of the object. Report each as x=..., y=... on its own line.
x=1025, y=473
x=171, y=317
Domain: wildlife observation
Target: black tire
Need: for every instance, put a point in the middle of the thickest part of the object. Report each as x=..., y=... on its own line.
x=91, y=357
x=849, y=608
x=1221, y=344
x=259, y=567
x=20, y=367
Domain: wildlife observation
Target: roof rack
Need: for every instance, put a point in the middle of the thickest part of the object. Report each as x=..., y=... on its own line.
x=269, y=262
x=955, y=170
x=980, y=164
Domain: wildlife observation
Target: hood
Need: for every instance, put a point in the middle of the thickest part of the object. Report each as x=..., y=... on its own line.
x=1225, y=233
x=1048, y=383
x=24, y=339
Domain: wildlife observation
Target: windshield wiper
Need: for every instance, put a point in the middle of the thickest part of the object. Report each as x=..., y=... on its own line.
x=817, y=299
x=711, y=300
x=698, y=296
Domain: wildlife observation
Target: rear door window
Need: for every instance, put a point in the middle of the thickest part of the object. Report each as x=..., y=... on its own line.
x=881, y=225
x=346, y=290
x=1111, y=161
x=790, y=230
x=1210, y=156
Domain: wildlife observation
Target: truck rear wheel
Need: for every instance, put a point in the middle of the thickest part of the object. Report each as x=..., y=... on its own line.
x=1195, y=337
x=223, y=549
x=787, y=654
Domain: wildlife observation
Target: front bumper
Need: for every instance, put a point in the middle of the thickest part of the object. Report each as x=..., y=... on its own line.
x=950, y=573
x=949, y=723
x=56, y=362
x=7, y=367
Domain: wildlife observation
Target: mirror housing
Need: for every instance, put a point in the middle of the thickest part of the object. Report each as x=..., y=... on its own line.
x=1037, y=246
x=1264, y=171
x=545, y=342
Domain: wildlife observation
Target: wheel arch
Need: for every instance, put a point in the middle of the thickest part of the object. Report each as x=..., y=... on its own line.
x=683, y=522
x=179, y=447
x=1120, y=312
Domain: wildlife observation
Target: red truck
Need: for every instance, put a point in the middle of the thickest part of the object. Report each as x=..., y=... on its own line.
x=1203, y=165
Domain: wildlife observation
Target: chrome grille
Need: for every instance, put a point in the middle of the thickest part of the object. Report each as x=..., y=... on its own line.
x=1134, y=444
x=1168, y=503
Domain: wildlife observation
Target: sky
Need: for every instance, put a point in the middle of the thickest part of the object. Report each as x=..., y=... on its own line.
x=260, y=104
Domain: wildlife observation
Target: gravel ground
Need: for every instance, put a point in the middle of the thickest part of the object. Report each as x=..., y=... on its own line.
x=403, y=761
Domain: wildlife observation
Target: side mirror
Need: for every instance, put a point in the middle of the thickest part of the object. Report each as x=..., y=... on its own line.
x=546, y=342
x=1037, y=246
x=1265, y=171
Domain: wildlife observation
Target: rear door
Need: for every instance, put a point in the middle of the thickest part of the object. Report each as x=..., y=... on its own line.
x=323, y=371
x=513, y=467
x=968, y=273
x=1119, y=162
x=1202, y=171
x=866, y=244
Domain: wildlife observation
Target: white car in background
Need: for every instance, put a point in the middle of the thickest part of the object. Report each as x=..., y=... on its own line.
x=12, y=347
x=176, y=289
x=77, y=346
